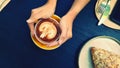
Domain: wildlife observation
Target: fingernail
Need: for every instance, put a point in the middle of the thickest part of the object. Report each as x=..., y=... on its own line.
x=29, y=20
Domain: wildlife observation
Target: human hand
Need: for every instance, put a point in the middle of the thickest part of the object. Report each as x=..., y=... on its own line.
x=67, y=21
x=66, y=28
x=44, y=11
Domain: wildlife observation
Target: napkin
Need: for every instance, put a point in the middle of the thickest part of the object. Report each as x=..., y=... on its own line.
x=3, y=3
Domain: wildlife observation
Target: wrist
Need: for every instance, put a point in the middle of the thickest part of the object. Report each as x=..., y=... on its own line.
x=52, y=3
x=71, y=14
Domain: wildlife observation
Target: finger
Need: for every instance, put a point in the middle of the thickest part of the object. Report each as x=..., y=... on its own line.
x=54, y=43
x=31, y=27
x=32, y=20
x=69, y=34
x=63, y=36
x=62, y=39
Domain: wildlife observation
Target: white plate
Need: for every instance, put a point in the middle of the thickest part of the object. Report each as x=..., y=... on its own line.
x=104, y=42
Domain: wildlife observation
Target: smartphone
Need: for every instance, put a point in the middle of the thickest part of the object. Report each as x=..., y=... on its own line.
x=115, y=15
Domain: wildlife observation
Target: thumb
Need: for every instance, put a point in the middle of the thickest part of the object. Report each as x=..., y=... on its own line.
x=31, y=20
x=31, y=26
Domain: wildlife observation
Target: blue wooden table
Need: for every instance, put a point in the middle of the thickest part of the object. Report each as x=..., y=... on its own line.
x=17, y=50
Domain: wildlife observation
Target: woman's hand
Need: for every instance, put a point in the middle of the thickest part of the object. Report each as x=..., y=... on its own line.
x=44, y=11
x=67, y=21
x=66, y=28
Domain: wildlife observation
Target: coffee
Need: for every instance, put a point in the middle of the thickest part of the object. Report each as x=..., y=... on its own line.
x=47, y=30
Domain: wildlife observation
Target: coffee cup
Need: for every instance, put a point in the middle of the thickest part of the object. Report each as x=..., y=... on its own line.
x=47, y=30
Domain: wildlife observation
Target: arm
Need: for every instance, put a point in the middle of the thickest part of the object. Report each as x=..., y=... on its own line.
x=77, y=6
x=44, y=11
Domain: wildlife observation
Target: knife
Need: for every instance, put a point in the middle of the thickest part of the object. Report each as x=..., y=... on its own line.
x=105, y=13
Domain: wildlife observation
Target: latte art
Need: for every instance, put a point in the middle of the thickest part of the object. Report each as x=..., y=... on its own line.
x=47, y=30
